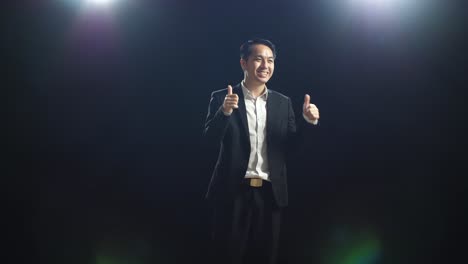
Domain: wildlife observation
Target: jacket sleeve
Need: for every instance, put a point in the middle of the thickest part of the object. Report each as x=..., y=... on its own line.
x=216, y=122
x=292, y=129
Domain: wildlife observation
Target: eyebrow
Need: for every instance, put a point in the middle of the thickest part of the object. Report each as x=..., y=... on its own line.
x=260, y=56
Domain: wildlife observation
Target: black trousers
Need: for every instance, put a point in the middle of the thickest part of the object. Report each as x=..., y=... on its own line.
x=246, y=230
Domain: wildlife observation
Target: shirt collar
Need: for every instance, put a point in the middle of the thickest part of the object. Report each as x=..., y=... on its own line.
x=248, y=94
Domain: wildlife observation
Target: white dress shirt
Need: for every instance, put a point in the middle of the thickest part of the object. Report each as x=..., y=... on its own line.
x=256, y=119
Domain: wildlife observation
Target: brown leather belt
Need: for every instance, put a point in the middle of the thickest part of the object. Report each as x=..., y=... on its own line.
x=255, y=182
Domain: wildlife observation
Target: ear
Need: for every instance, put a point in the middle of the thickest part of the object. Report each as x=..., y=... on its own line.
x=243, y=64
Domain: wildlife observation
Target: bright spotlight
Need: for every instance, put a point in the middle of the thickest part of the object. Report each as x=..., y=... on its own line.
x=100, y=2
x=376, y=4
x=397, y=12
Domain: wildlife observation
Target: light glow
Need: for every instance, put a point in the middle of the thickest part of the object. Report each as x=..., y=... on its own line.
x=100, y=2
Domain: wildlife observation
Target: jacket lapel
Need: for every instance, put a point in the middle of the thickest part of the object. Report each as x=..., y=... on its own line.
x=242, y=110
x=273, y=105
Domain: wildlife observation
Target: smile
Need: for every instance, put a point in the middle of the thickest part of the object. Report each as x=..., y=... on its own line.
x=263, y=73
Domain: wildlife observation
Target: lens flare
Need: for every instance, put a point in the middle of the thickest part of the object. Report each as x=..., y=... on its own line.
x=349, y=246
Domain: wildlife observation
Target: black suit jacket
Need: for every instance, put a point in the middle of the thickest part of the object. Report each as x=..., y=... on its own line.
x=230, y=136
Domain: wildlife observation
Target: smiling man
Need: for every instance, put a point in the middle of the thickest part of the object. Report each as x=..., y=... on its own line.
x=252, y=128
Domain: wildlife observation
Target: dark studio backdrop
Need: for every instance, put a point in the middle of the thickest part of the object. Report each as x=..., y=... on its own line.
x=106, y=107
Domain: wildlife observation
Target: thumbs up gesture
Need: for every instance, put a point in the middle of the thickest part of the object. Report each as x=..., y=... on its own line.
x=310, y=110
x=230, y=101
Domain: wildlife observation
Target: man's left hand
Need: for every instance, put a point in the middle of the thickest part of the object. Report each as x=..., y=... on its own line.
x=310, y=110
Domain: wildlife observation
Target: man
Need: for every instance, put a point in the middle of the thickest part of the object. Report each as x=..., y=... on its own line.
x=252, y=128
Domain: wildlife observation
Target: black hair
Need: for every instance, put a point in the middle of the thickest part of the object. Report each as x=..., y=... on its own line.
x=246, y=48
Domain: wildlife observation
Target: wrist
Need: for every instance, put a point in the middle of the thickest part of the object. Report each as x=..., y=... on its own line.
x=226, y=112
x=310, y=120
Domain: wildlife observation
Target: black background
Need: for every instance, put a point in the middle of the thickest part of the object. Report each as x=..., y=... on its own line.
x=105, y=112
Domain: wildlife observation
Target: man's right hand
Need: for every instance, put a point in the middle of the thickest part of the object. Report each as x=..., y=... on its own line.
x=230, y=101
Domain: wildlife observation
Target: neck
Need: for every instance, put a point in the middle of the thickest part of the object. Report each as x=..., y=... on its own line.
x=255, y=88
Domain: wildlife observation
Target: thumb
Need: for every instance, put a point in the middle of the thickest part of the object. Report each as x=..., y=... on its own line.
x=306, y=100
x=229, y=89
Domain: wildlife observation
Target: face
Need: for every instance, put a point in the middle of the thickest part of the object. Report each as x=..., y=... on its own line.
x=259, y=66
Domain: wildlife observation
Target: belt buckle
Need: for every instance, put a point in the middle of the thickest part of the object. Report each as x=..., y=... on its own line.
x=255, y=182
